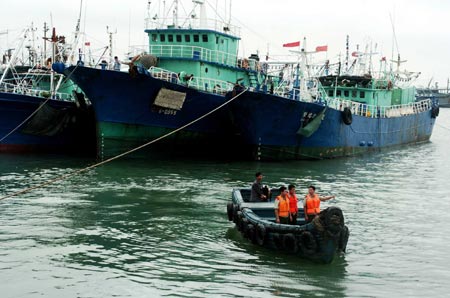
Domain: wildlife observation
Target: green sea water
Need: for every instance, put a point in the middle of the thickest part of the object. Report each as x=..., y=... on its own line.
x=158, y=228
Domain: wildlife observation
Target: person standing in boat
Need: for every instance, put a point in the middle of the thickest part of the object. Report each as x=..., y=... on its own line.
x=311, y=204
x=259, y=193
x=116, y=65
x=282, y=213
x=293, y=204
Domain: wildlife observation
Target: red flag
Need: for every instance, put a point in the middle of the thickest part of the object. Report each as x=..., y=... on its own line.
x=355, y=54
x=383, y=58
x=321, y=48
x=291, y=44
x=87, y=43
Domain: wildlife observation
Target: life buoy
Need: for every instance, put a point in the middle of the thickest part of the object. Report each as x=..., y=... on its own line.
x=290, y=243
x=343, y=239
x=307, y=243
x=260, y=234
x=434, y=112
x=347, y=117
x=334, y=221
x=230, y=208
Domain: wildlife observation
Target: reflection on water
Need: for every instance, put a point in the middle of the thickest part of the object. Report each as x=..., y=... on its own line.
x=159, y=228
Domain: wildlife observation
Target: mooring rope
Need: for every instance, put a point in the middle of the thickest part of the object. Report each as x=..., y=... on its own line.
x=31, y=115
x=65, y=176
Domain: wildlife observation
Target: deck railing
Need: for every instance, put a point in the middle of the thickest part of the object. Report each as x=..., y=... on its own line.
x=195, y=53
x=203, y=84
x=23, y=90
x=372, y=111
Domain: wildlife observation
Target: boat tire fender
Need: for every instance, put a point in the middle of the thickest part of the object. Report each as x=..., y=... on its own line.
x=290, y=243
x=260, y=234
x=434, y=112
x=276, y=238
x=235, y=214
x=242, y=226
x=334, y=221
x=347, y=117
x=343, y=239
x=307, y=243
x=230, y=209
x=250, y=232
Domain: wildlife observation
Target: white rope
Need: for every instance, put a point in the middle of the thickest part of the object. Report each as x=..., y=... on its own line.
x=63, y=177
x=32, y=114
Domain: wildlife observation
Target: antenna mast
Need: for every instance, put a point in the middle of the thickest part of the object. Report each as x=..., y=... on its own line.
x=110, y=33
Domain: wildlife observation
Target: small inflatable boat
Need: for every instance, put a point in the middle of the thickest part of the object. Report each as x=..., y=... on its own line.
x=318, y=240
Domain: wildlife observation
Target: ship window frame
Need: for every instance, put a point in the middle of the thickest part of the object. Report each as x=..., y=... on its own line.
x=354, y=93
x=331, y=92
x=196, y=38
x=204, y=37
x=187, y=38
x=162, y=37
x=170, y=37
x=154, y=37
x=362, y=94
x=178, y=38
x=338, y=92
x=346, y=93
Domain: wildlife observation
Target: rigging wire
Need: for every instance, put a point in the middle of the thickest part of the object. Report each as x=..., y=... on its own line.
x=76, y=172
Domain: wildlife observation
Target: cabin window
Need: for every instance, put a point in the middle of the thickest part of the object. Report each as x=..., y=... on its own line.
x=154, y=37
x=330, y=93
x=354, y=93
x=162, y=37
x=187, y=38
x=362, y=94
x=170, y=37
x=346, y=93
x=206, y=70
x=217, y=39
x=338, y=92
x=204, y=38
x=178, y=37
x=196, y=38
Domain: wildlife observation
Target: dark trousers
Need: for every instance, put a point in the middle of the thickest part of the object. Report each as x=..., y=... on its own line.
x=294, y=219
x=284, y=220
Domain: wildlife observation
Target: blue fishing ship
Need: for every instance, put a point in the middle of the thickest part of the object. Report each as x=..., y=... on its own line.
x=331, y=115
x=34, y=117
x=183, y=75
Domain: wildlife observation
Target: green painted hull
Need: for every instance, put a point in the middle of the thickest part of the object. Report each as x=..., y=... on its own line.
x=117, y=138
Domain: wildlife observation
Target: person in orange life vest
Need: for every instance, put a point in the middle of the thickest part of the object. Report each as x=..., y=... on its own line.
x=311, y=204
x=282, y=207
x=293, y=204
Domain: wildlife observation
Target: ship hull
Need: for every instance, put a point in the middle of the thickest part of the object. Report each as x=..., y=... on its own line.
x=270, y=126
x=127, y=116
x=57, y=127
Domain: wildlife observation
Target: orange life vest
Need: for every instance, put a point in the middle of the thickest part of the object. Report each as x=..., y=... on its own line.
x=312, y=204
x=283, y=207
x=293, y=203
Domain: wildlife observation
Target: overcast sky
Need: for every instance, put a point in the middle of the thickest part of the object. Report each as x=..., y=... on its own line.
x=422, y=27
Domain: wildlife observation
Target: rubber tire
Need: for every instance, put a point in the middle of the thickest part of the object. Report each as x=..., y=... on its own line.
x=260, y=234
x=334, y=230
x=347, y=117
x=307, y=243
x=230, y=208
x=290, y=243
